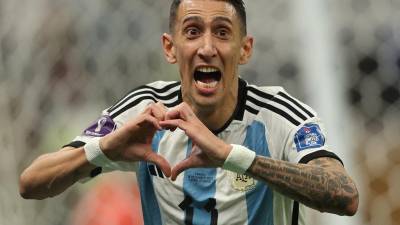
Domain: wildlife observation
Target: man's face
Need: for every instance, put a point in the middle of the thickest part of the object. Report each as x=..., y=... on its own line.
x=208, y=46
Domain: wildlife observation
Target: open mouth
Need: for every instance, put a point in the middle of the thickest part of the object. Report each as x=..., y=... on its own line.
x=207, y=77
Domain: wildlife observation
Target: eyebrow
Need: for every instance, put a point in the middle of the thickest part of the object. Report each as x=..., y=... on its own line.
x=200, y=20
x=192, y=18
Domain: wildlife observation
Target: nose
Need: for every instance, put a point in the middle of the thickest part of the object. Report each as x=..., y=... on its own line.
x=207, y=49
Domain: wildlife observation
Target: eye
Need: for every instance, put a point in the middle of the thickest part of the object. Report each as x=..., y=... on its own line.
x=192, y=32
x=222, y=33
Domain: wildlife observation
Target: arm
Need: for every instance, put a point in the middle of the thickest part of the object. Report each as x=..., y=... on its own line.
x=322, y=184
x=51, y=174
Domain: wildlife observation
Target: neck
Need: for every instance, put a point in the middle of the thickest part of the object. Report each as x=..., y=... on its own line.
x=216, y=116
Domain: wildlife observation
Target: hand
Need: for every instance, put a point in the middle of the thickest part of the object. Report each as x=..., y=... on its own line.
x=132, y=142
x=208, y=150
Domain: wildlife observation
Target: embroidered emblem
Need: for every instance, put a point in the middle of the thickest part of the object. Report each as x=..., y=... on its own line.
x=101, y=127
x=309, y=136
x=242, y=182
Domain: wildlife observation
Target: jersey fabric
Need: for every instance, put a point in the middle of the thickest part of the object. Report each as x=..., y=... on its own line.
x=267, y=120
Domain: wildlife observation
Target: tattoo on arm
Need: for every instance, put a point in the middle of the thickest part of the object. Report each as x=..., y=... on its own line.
x=321, y=184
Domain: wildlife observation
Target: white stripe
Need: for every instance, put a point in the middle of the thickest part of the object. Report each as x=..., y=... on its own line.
x=234, y=213
x=170, y=194
x=139, y=96
x=151, y=90
x=294, y=105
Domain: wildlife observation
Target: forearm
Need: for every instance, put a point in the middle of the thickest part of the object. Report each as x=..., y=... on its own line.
x=52, y=173
x=321, y=187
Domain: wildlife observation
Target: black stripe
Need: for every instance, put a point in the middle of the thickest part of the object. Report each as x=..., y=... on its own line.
x=277, y=100
x=319, y=154
x=167, y=97
x=159, y=91
x=296, y=103
x=160, y=174
x=75, y=144
x=287, y=105
x=273, y=109
x=214, y=217
x=186, y=202
x=260, y=93
x=152, y=170
x=251, y=110
x=210, y=204
x=96, y=171
x=239, y=109
x=241, y=102
x=295, y=213
x=189, y=216
x=137, y=101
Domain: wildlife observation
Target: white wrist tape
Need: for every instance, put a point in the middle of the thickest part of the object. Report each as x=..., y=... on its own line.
x=94, y=154
x=239, y=159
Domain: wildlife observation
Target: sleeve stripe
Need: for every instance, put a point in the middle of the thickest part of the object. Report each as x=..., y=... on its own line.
x=319, y=154
x=147, y=89
x=273, y=109
x=137, y=95
x=260, y=93
x=296, y=103
x=140, y=99
x=285, y=100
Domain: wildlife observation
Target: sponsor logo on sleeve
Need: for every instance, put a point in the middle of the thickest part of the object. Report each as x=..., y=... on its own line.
x=309, y=136
x=101, y=127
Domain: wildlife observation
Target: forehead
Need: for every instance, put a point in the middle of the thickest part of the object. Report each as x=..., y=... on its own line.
x=206, y=9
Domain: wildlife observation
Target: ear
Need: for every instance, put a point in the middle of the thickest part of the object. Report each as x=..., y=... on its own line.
x=246, y=50
x=169, y=48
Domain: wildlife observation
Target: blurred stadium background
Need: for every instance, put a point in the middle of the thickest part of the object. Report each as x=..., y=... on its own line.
x=62, y=62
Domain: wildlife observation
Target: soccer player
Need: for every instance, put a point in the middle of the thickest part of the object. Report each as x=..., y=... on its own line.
x=211, y=148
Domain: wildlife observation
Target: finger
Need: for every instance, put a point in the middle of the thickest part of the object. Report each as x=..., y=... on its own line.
x=161, y=110
x=160, y=162
x=152, y=120
x=158, y=111
x=180, y=167
x=181, y=111
x=173, y=124
x=173, y=113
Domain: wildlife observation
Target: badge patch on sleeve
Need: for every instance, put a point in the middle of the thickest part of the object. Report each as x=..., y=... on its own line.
x=309, y=136
x=101, y=127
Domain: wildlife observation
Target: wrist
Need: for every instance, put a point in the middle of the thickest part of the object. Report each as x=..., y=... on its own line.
x=239, y=159
x=94, y=153
x=104, y=144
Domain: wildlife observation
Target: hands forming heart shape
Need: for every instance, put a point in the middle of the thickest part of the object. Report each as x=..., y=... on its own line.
x=132, y=142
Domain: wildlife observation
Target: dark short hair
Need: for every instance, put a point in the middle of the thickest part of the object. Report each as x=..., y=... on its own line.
x=237, y=4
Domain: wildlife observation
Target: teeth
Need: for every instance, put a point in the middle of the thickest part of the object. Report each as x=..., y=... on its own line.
x=207, y=69
x=207, y=85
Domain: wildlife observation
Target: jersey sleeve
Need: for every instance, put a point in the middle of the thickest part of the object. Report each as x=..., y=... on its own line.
x=294, y=131
x=99, y=128
x=127, y=108
x=307, y=142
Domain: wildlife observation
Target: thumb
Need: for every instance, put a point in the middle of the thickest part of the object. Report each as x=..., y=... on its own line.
x=160, y=162
x=180, y=167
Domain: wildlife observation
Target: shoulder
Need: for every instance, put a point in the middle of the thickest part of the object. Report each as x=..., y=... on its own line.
x=167, y=92
x=275, y=104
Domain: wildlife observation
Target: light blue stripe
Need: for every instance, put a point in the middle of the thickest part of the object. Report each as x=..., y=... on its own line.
x=260, y=199
x=150, y=207
x=200, y=185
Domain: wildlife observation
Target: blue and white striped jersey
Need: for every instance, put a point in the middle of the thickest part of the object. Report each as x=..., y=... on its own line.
x=267, y=120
